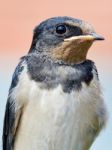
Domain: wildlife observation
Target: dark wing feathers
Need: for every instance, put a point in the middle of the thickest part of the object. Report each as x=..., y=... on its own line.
x=11, y=116
x=8, y=126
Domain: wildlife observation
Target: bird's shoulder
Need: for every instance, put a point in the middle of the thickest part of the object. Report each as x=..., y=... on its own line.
x=17, y=72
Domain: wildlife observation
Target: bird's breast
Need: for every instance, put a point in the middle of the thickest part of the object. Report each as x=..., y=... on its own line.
x=48, y=121
x=55, y=120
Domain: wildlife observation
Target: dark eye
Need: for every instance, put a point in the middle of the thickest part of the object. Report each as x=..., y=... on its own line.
x=61, y=29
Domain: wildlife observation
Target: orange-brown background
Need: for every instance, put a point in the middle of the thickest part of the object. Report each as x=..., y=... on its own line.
x=19, y=17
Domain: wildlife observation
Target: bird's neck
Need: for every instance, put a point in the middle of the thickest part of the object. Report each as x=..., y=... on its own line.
x=50, y=74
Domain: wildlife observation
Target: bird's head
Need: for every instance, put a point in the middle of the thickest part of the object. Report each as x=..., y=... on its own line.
x=64, y=38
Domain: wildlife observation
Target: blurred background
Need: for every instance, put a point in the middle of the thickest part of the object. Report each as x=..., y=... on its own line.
x=17, y=20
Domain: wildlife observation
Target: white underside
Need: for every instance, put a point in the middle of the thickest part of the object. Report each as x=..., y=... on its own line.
x=54, y=120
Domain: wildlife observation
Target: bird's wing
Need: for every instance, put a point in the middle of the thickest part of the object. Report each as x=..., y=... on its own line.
x=12, y=115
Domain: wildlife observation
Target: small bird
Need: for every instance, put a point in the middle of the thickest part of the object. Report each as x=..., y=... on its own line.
x=55, y=100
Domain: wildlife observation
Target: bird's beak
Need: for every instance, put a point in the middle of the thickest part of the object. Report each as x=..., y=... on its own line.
x=97, y=36
x=91, y=37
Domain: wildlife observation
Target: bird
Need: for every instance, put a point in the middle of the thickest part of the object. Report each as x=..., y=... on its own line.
x=55, y=100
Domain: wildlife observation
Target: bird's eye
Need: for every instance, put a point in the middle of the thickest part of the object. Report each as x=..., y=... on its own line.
x=61, y=29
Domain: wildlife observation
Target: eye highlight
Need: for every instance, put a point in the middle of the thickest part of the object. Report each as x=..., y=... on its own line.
x=61, y=29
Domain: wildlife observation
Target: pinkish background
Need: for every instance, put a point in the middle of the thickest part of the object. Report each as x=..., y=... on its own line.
x=17, y=20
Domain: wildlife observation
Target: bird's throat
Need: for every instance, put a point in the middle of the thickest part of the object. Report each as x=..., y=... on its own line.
x=71, y=52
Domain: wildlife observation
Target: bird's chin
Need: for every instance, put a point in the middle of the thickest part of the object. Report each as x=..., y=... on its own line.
x=72, y=50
